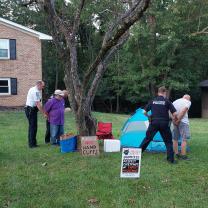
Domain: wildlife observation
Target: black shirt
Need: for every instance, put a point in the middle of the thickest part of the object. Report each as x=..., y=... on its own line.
x=160, y=107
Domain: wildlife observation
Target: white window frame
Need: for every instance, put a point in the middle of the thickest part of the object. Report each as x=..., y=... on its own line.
x=8, y=48
x=9, y=86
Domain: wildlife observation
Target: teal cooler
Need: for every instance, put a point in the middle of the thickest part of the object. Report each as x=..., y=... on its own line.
x=69, y=144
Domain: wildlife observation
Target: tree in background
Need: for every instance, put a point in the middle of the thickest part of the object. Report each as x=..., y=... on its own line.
x=163, y=50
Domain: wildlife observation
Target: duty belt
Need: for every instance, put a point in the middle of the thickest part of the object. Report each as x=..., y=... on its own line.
x=31, y=108
x=161, y=119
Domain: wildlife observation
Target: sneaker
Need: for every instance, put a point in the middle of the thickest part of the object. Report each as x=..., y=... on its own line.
x=178, y=156
x=184, y=157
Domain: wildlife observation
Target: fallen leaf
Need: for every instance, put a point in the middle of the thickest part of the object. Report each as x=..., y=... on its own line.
x=93, y=201
x=131, y=201
x=44, y=164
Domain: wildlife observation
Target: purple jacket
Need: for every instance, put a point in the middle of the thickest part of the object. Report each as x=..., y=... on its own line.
x=55, y=109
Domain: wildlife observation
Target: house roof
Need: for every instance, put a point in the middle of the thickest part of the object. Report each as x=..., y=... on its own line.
x=204, y=83
x=24, y=29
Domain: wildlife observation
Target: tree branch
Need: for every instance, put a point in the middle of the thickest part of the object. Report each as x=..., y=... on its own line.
x=102, y=68
x=203, y=31
x=112, y=36
x=28, y=3
x=77, y=17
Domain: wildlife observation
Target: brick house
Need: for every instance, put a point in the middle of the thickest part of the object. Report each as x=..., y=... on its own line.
x=20, y=62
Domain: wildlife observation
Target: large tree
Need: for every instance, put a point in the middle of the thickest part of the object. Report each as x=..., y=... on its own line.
x=65, y=22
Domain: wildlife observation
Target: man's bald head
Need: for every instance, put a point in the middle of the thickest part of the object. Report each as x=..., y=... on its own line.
x=187, y=97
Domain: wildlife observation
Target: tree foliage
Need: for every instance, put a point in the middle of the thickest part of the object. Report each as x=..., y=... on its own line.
x=164, y=50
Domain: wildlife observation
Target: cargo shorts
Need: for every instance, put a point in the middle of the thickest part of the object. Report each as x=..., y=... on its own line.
x=181, y=131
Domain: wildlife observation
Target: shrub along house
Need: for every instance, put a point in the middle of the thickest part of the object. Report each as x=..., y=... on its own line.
x=20, y=62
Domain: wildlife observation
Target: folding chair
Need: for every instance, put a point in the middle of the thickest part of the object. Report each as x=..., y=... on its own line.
x=104, y=130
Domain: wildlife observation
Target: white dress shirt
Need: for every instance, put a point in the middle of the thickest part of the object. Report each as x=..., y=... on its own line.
x=33, y=96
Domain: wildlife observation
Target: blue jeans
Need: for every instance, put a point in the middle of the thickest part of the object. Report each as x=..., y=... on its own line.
x=56, y=131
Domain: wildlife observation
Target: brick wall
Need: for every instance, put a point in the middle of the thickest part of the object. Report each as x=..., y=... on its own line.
x=27, y=67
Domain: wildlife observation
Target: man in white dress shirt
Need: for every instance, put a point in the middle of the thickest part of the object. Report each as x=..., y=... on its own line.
x=181, y=126
x=33, y=105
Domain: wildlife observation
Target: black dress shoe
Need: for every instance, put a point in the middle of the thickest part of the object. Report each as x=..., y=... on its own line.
x=54, y=144
x=172, y=162
x=34, y=146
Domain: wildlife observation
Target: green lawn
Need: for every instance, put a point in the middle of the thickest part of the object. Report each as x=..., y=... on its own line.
x=72, y=181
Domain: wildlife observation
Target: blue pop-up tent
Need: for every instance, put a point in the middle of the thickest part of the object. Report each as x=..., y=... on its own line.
x=134, y=130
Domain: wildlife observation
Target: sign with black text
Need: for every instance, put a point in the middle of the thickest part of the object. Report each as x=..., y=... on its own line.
x=89, y=146
x=131, y=163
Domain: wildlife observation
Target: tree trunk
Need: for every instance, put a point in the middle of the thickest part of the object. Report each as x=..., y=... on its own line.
x=152, y=89
x=152, y=24
x=111, y=106
x=57, y=78
x=86, y=123
x=117, y=103
x=118, y=85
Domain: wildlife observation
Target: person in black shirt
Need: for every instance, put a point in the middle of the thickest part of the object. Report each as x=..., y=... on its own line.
x=159, y=121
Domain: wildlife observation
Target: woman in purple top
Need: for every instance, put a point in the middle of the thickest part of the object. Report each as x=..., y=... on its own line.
x=55, y=109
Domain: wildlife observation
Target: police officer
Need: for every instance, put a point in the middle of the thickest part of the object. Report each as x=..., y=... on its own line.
x=159, y=121
x=33, y=104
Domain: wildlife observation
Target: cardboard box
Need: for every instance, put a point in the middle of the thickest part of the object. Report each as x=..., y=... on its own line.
x=89, y=146
x=66, y=136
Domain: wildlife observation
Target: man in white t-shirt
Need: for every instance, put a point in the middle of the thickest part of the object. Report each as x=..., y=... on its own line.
x=33, y=105
x=181, y=126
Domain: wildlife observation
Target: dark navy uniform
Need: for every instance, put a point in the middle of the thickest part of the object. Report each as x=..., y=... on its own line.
x=160, y=107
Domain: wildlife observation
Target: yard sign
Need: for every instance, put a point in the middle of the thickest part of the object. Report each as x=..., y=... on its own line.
x=131, y=162
x=89, y=146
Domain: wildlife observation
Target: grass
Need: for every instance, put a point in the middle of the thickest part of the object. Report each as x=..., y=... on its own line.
x=72, y=181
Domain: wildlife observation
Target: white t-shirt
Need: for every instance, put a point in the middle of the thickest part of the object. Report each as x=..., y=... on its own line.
x=179, y=105
x=33, y=96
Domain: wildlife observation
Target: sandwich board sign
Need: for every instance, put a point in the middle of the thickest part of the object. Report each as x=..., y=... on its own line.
x=130, y=163
x=89, y=146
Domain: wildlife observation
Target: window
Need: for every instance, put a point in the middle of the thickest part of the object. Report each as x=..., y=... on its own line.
x=8, y=86
x=5, y=86
x=4, y=49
